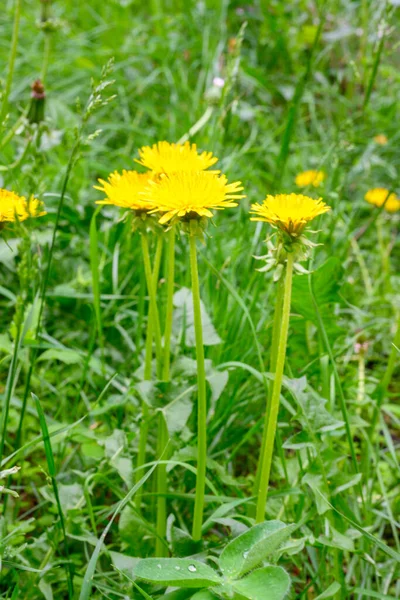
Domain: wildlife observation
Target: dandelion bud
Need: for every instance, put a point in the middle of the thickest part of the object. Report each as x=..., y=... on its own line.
x=38, y=98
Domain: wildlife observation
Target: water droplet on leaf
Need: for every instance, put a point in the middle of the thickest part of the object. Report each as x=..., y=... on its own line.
x=192, y=568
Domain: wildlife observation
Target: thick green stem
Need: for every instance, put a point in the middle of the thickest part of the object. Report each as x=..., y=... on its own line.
x=201, y=397
x=144, y=425
x=276, y=326
x=161, y=488
x=151, y=290
x=170, y=303
x=11, y=60
x=272, y=416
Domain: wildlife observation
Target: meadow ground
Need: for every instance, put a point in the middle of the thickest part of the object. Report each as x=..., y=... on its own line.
x=271, y=89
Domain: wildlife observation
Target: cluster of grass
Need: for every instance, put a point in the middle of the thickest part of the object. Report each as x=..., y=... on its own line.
x=308, y=85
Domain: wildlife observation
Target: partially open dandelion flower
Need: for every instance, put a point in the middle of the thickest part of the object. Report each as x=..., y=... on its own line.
x=124, y=190
x=18, y=208
x=306, y=178
x=289, y=212
x=164, y=157
x=381, y=139
x=191, y=194
x=380, y=196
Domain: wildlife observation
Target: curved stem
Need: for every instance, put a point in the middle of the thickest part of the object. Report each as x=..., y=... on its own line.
x=11, y=60
x=272, y=413
x=170, y=303
x=201, y=397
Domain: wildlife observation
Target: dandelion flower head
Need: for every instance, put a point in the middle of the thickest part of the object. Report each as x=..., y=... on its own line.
x=381, y=139
x=124, y=190
x=191, y=194
x=18, y=208
x=380, y=196
x=164, y=157
x=306, y=178
x=289, y=212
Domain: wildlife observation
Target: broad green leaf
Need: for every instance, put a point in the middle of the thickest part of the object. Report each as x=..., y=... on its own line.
x=180, y=572
x=330, y=591
x=326, y=285
x=123, y=562
x=337, y=540
x=248, y=550
x=269, y=583
x=177, y=413
x=69, y=357
x=184, y=318
x=312, y=412
x=298, y=441
x=204, y=595
x=316, y=484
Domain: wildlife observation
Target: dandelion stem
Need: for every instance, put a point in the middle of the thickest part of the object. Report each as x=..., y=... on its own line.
x=161, y=488
x=151, y=290
x=144, y=425
x=170, y=303
x=272, y=412
x=276, y=325
x=201, y=397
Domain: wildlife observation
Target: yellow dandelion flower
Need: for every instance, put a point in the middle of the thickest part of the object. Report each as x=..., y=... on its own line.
x=381, y=139
x=306, y=178
x=380, y=196
x=164, y=157
x=18, y=208
x=124, y=189
x=191, y=194
x=289, y=212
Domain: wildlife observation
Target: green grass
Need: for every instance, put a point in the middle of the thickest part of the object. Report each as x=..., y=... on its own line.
x=308, y=85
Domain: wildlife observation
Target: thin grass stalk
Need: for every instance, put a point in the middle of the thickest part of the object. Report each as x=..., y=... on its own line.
x=9, y=389
x=161, y=487
x=94, y=266
x=272, y=412
x=384, y=253
x=375, y=66
x=44, y=286
x=294, y=107
x=170, y=303
x=342, y=400
x=52, y=473
x=11, y=60
x=387, y=378
x=201, y=395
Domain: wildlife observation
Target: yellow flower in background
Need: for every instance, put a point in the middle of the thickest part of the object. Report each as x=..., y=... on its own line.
x=289, y=212
x=380, y=196
x=164, y=157
x=124, y=189
x=306, y=178
x=18, y=208
x=381, y=139
x=191, y=194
